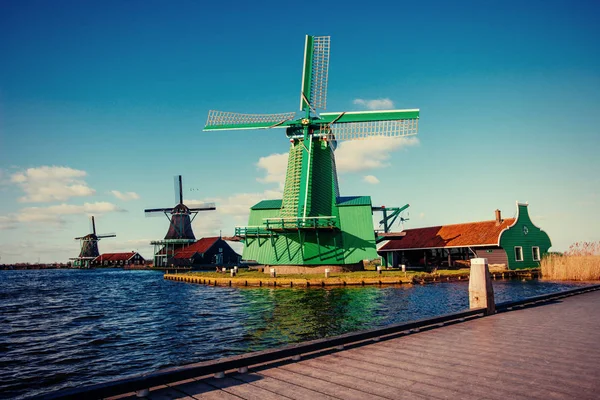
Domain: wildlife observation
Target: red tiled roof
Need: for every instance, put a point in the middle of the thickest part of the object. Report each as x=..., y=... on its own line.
x=115, y=256
x=201, y=246
x=184, y=254
x=458, y=235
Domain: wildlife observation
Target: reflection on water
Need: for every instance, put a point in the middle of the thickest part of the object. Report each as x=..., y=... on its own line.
x=65, y=328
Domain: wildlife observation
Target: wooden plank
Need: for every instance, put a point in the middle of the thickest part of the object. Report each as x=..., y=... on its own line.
x=244, y=389
x=310, y=368
x=376, y=374
x=278, y=386
x=200, y=389
x=482, y=372
x=168, y=394
x=424, y=384
x=523, y=363
x=321, y=388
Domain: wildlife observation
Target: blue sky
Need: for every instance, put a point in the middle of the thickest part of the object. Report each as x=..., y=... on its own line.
x=105, y=96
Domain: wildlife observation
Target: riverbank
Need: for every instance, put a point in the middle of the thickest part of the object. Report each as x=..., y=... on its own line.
x=361, y=278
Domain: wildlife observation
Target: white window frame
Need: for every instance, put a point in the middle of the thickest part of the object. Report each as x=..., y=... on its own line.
x=520, y=252
x=535, y=252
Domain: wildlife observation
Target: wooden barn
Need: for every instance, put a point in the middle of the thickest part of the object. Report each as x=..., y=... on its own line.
x=514, y=242
x=207, y=252
x=118, y=259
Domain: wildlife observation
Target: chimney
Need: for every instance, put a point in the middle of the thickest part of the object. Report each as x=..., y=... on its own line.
x=498, y=217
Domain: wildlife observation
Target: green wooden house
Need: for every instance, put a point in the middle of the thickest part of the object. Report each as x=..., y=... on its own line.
x=514, y=242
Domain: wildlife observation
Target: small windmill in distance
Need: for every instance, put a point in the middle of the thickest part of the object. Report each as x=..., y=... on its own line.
x=89, y=246
x=180, y=233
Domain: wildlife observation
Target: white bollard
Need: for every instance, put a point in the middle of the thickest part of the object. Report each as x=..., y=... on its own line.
x=379, y=269
x=327, y=271
x=232, y=272
x=273, y=273
x=481, y=292
x=403, y=268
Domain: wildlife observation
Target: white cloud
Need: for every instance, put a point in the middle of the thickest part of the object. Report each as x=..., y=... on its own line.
x=275, y=166
x=55, y=214
x=360, y=155
x=371, y=179
x=125, y=196
x=375, y=104
x=350, y=156
x=51, y=183
x=7, y=222
x=231, y=211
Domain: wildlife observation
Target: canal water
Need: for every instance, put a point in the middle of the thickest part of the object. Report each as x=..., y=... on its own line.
x=67, y=328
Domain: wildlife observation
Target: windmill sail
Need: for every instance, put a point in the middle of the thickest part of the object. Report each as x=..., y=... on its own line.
x=177, y=184
x=369, y=124
x=315, y=73
x=218, y=120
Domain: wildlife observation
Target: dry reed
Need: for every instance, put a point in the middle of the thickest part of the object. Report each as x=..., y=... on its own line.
x=581, y=262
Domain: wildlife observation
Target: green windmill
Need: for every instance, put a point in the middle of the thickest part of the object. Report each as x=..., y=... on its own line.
x=313, y=225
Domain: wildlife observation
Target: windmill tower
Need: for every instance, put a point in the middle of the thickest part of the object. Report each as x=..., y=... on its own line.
x=89, y=246
x=180, y=233
x=313, y=225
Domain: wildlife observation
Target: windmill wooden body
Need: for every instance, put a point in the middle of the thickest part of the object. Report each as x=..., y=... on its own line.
x=312, y=225
x=89, y=246
x=180, y=233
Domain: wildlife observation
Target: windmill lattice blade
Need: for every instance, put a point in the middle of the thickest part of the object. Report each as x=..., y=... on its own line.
x=203, y=207
x=157, y=212
x=320, y=71
x=230, y=120
x=106, y=235
x=372, y=129
x=177, y=184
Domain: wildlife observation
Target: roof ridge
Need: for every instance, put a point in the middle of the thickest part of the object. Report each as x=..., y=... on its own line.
x=462, y=223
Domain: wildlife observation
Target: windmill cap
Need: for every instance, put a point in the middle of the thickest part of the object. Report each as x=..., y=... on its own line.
x=180, y=209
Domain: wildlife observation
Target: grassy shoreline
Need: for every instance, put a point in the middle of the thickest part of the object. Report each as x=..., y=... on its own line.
x=359, y=278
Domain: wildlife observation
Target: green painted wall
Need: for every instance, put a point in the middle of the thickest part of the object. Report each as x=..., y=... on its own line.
x=523, y=233
x=323, y=182
x=358, y=233
x=291, y=188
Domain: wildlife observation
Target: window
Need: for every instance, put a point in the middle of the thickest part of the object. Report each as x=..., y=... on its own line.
x=536, y=253
x=518, y=253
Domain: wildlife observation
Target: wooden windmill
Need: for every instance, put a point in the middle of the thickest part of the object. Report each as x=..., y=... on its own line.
x=180, y=233
x=312, y=225
x=89, y=246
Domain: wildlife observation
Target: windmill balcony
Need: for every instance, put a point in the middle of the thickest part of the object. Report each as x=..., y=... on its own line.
x=243, y=231
x=293, y=224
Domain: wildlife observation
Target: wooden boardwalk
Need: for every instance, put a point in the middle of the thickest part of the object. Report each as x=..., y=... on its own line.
x=551, y=351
